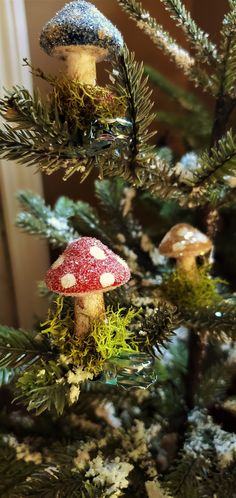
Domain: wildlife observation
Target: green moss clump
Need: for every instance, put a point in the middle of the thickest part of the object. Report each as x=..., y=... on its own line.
x=80, y=105
x=190, y=294
x=106, y=339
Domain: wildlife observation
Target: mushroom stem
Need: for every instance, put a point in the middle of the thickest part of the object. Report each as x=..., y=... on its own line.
x=88, y=307
x=82, y=67
x=187, y=264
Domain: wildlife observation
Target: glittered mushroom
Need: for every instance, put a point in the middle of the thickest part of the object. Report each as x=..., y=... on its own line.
x=86, y=270
x=184, y=243
x=82, y=36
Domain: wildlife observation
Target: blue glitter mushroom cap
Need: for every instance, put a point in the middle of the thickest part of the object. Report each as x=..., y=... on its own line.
x=80, y=23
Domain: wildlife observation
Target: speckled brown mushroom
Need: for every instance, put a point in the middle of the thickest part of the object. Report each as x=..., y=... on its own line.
x=86, y=270
x=184, y=243
x=82, y=36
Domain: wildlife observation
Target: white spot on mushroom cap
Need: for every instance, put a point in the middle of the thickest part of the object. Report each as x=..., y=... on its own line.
x=107, y=279
x=201, y=237
x=122, y=261
x=179, y=245
x=68, y=280
x=185, y=232
x=59, y=261
x=97, y=253
x=192, y=235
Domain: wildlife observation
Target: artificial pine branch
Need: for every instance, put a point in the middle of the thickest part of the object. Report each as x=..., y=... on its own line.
x=157, y=329
x=186, y=477
x=59, y=482
x=221, y=161
x=226, y=70
x=13, y=471
x=206, y=51
x=7, y=375
x=214, y=166
x=218, y=321
x=42, y=387
x=130, y=84
x=167, y=44
x=20, y=348
x=225, y=79
x=34, y=148
x=26, y=111
x=39, y=219
x=215, y=382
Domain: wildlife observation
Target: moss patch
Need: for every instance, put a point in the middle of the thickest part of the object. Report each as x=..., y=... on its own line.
x=191, y=294
x=106, y=339
x=80, y=105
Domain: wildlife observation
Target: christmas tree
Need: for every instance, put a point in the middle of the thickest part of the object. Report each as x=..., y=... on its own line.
x=127, y=386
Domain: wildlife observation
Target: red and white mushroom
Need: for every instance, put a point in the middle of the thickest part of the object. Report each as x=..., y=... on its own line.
x=86, y=269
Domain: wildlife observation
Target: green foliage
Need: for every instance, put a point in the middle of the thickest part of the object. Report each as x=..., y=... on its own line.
x=13, y=471
x=7, y=375
x=191, y=294
x=21, y=348
x=54, y=366
x=206, y=51
x=215, y=382
x=130, y=84
x=189, y=477
x=112, y=336
x=43, y=137
x=225, y=76
x=49, y=154
x=28, y=112
x=110, y=194
x=79, y=105
x=157, y=329
x=113, y=223
x=171, y=378
x=43, y=387
x=56, y=134
x=166, y=43
x=218, y=320
x=39, y=219
x=51, y=385
x=207, y=456
x=59, y=483
x=106, y=339
x=221, y=161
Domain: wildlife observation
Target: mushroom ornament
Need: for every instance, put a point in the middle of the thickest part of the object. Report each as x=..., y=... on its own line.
x=184, y=243
x=86, y=269
x=82, y=36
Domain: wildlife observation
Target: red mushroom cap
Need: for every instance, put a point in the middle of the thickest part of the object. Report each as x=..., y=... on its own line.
x=87, y=265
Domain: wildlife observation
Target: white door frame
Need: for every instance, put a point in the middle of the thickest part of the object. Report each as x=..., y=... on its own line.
x=28, y=256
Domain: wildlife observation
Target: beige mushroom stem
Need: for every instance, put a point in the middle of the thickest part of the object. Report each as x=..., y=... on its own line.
x=81, y=62
x=81, y=67
x=187, y=264
x=88, y=307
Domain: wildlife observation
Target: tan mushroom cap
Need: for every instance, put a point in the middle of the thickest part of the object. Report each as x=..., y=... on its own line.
x=184, y=240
